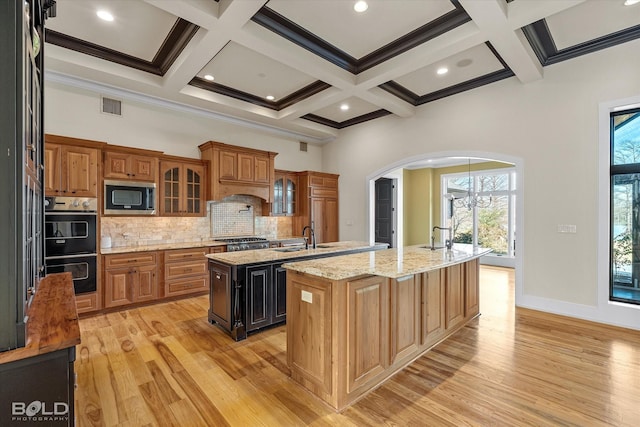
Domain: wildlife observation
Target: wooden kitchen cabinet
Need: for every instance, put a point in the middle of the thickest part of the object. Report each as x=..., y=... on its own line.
x=130, y=278
x=454, y=296
x=471, y=289
x=70, y=170
x=185, y=271
x=432, y=297
x=182, y=187
x=238, y=170
x=130, y=164
x=284, y=193
x=404, y=318
x=318, y=205
x=367, y=330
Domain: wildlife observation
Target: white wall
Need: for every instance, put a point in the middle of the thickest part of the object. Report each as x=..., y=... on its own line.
x=75, y=112
x=552, y=125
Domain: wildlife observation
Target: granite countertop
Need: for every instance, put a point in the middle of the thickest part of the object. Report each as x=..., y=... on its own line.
x=275, y=254
x=392, y=263
x=160, y=247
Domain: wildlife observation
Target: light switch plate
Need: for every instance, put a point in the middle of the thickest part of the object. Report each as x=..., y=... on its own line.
x=307, y=297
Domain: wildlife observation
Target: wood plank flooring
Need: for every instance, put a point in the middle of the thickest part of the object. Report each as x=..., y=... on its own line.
x=165, y=365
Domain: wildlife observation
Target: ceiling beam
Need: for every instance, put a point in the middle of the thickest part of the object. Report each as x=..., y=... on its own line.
x=491, y=18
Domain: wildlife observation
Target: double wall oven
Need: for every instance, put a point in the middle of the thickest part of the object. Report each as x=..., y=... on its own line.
x=70, y=239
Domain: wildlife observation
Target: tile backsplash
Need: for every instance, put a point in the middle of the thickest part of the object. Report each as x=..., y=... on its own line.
x=229, y=217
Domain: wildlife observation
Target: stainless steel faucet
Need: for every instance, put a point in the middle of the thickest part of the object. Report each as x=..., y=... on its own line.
x=313, y=237
x=448, y=242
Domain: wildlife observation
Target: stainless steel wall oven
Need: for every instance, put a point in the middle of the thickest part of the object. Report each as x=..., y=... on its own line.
x=70, y=226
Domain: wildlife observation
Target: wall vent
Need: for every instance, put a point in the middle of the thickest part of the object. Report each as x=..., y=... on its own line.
x=111, y=106
x=303, y=146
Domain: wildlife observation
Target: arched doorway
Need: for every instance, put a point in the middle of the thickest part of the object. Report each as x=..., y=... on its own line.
x=429, y=200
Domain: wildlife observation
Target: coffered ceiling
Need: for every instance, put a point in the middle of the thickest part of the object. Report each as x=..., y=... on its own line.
x=309, y=68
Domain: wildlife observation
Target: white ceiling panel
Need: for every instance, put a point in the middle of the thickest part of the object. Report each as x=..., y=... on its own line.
x=359, y=34
x=464, y=66
x=357, y=107
x=246, y=70
x=249, y=49
x=138, y=29
x=590, y=20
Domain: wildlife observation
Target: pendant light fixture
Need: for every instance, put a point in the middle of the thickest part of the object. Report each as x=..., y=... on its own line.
x=472, y=200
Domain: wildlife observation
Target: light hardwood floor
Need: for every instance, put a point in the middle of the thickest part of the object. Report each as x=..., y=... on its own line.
x=164, y=365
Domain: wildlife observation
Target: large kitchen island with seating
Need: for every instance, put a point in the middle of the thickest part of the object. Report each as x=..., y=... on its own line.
x=247, y=289
x=355, y=320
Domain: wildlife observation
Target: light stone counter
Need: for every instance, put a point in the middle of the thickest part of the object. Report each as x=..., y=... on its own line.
x=275, y=254
x=392, y=263
x=160, y=247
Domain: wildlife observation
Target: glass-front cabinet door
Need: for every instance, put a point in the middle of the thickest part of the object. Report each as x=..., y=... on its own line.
x=182, y=192
x=284, y=193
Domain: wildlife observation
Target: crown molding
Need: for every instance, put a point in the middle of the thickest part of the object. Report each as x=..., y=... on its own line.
x=104, y=89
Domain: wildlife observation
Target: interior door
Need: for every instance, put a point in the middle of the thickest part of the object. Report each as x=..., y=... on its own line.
x=384, y=211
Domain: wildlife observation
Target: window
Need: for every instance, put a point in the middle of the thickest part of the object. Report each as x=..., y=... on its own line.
x=490, y=222
x=625, y=207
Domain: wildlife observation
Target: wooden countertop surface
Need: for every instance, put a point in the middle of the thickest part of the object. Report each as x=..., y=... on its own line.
x=392, y=263
x=53, y=319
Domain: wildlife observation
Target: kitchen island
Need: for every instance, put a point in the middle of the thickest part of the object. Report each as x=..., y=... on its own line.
x=247, y=289
x=357, y=319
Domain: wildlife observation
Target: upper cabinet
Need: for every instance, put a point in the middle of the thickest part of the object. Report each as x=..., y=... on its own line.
x=284, y=193
x=131, y=164
x=318, y=205
x=238, y=170
x=71, y=166
x=182, y=187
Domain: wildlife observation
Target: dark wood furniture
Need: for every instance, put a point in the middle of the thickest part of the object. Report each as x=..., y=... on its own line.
x=42, y=371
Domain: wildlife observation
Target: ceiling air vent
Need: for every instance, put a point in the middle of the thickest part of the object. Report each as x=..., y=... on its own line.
x=111, y=106
x=303, y=146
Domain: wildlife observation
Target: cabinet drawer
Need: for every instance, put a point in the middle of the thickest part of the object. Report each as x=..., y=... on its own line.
x=125, y=260
x=178, y=255
x=87, y=302
x=184, y=269
x=185, y=286
x=324, y=192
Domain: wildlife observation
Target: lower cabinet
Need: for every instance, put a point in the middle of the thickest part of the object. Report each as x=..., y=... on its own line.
x=454, y=296
x=345, y=337
x=185, y=271
x=433, y=307
x=266, y=303
x=130, y=278
x=367, y=302
x=471, y=288
x=404, y=320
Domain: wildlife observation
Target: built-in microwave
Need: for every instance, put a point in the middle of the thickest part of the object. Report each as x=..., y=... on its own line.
x=129, y=198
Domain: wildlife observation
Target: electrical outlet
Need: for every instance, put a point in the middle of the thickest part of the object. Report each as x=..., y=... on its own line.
x=566, y=228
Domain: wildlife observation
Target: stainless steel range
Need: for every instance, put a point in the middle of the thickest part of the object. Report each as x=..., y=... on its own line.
x=244, y=243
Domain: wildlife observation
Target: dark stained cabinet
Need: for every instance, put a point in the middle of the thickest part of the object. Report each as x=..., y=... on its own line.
x=265, y=296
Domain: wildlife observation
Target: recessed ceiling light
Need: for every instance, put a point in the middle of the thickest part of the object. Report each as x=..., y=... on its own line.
x=464, y=62
x=104, y=15
x=208, y=77
x=344, y=107
x=270, y=97
x=630, y=2
x=360, y=6
x=442, y=70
